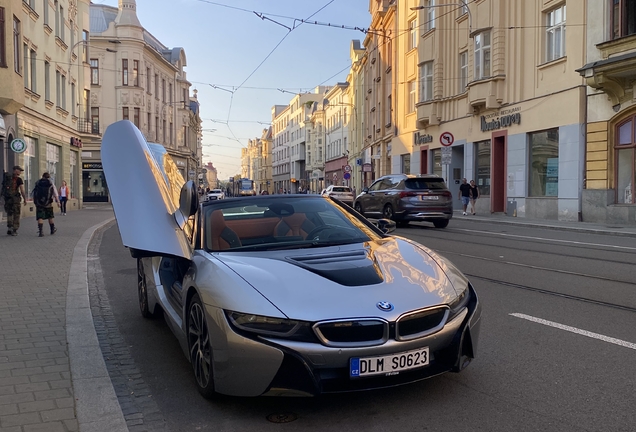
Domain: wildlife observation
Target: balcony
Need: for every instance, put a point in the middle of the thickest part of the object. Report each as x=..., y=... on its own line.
x=427, y=114
x=88, y=127
x=486, y=93
x=614, y=76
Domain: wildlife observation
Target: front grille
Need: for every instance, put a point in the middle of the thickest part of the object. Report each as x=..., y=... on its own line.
x=353, y=333
x=421, y=323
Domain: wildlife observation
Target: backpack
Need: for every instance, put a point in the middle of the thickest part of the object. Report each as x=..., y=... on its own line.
x=43, y=193
x=6, y=186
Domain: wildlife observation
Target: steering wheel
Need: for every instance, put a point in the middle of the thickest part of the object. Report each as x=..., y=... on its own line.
x=313, y=235
x=338, y=232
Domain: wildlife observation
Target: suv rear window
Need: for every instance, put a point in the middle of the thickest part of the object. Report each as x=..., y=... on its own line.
x=425, y=183
x=341, y=189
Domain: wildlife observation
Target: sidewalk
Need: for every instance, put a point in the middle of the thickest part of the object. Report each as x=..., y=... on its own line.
x=52, y=372
x=52, y=375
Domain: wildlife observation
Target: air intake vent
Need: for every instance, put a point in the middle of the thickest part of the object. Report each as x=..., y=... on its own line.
x=421, y=323
x=353, y=333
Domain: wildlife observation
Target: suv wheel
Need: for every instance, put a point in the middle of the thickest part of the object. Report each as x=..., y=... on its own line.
x=387, y=212
x=358, y=208
x=443, y=223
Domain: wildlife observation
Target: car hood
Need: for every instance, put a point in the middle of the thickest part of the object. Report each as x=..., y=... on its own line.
x=298, y=282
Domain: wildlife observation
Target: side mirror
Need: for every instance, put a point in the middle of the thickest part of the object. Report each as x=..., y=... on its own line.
x=386, y=225
x=365, y=190
x=188, y=203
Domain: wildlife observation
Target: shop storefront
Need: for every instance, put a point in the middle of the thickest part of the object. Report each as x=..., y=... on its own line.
x=334, y=172
x=95, y=188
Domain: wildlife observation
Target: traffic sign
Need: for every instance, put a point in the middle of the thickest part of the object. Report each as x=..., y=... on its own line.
x=446, y=139
x=447, y=155
x=335, y=176
x=347, y=168
x=346, y=176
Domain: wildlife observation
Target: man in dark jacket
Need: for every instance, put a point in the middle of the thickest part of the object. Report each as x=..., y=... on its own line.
x=12, y=192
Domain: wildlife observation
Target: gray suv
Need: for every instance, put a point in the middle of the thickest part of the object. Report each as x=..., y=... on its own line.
x=405, y=198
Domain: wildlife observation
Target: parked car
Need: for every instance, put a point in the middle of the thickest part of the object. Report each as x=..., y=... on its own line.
x=341, y=193
x=285, y=294
x=215, y=194
x=405, y=198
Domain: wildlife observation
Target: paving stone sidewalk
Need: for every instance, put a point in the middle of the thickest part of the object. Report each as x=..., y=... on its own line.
x=36, y=390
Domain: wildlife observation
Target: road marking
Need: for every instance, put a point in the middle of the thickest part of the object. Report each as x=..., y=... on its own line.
x=577, y=331
x=547, y=239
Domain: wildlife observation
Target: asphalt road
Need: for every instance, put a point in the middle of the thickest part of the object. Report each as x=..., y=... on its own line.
x=563, y=362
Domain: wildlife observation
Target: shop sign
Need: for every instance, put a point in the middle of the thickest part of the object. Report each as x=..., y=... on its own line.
x=76, y=142
x=502, y=119
x=419, y=139
x=18, y=145
x=180, y=163
x=92, y=166
x=366, y=167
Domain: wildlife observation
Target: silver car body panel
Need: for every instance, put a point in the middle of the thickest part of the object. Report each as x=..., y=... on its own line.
x=144, y=185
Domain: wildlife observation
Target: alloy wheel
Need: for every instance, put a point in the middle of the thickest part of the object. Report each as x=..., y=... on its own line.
x=199, y=344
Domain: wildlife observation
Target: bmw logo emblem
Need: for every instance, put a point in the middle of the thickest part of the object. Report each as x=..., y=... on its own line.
x=384, y=306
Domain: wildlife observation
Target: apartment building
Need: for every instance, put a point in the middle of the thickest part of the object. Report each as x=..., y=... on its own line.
x=133, y=76
x=315, y=163
x=264, y=174
x=42, y=73
x=609, y=72
x=361, y=167
x=498, y=99
x=337, y=107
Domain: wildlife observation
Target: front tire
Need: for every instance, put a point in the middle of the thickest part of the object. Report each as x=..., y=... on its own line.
x=357, y=207
x=387, y=212
x=200, y=348
x=142, y=291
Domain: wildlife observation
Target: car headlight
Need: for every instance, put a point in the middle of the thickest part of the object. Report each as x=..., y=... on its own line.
x=457, y=305
x=270, y=326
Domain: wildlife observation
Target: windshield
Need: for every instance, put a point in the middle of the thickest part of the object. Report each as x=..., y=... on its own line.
x=341, y=189
x=274, y=222
x=216, y=191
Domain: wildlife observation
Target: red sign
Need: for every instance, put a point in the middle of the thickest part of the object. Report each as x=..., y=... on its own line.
x=446, y=139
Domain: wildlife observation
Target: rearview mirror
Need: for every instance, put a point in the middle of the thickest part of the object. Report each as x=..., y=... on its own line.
x=386, y=225
x=188, y=203
x=365, y=190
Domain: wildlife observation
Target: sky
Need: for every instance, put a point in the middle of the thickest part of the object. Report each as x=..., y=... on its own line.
x=224, y=47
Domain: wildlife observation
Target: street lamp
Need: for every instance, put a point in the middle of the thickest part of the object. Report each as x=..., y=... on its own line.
x=462, y=4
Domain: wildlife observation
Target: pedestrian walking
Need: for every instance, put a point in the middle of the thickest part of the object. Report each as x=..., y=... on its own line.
x=13, y=192
x=44, y=194
x=63, y=194
x=464, y=194
x=474, y=194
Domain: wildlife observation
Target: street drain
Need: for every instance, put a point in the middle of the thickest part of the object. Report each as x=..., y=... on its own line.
x=282, y=418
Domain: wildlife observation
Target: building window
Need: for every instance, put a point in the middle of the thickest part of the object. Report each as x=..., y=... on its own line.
x=58, y=91
x=47, y=81
x=72, y=26
x=57, y=18
x=426, y=81
x=34, y=78
x=625, y=149
x=555, y=36
x=157, y=129
x=124, y=113
x=482, y=166
x=85, y=46
x=27, y=77
x=171, y=133
x=29, y=163
x=164, y=131
x=412, y=96
x=61, y=34
x=72, y=182
x=544, y=163
x=413, y=34
x=136, y=115
x=148, y=80
x=405, y=160
x=94, y=71
x=72, y=99
x=3, y=47
x=148, y=123
x=623, y=19
x=436, y=156
x=124, y=72
x=163, y=90
x=482, y=55
x=53, y=162
x=63, y=92
x=157, y=86
x=430, y=15
x=463, y=71
x=464, y=9
x=86, y=104
x=45, y=10
x=136, y=73
x=170, y=94
x=16, y=45
x=95, y=120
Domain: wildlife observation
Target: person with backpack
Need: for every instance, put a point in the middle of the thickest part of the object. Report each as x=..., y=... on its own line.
x=44, y=194
x=12, y=190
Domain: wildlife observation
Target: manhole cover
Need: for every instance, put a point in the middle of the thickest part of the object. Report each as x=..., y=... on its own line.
x=282, y=418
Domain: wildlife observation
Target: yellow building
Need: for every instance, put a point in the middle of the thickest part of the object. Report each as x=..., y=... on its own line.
x=489, y=90
x=609, y=71
x=43, y=75
x=133, y=76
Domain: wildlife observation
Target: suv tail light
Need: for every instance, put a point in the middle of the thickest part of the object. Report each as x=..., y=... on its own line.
x=405, y=194
x=447, y=194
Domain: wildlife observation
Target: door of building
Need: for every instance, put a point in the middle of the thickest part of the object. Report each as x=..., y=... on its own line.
x=498, y=180
x=424, y=160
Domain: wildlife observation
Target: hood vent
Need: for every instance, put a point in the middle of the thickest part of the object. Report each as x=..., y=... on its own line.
x=353, y=268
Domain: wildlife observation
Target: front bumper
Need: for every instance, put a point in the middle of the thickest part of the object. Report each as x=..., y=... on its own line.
x=245, y=366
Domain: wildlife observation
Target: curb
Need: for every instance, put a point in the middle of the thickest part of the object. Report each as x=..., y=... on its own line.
x=96, y=404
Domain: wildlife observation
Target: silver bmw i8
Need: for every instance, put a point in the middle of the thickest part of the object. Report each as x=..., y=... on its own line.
x=284, y=294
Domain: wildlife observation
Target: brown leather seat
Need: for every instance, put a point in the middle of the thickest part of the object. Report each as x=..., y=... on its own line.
x=220, y=236
x=294, y=225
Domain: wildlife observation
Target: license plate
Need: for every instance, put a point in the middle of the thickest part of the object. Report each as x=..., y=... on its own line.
x=391, y=364
x=429, y=197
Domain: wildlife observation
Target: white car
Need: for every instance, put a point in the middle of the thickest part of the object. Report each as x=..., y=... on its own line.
x=215, y=194
x=341, y=193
